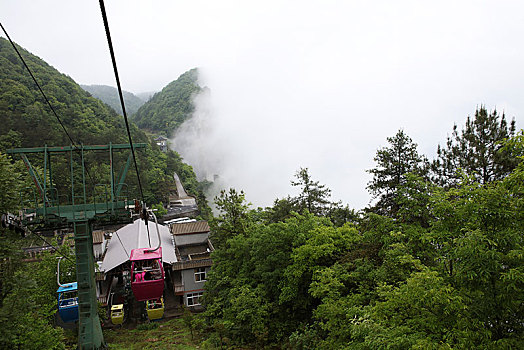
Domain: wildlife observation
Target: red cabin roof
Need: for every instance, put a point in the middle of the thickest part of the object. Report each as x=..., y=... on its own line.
x=145, y=254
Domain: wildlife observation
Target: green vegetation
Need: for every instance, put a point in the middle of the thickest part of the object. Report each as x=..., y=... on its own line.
x=28, y=290
x=172, y=334
x=437, y=262
x=28, y=122
x=109, y=95
x=476, y=150
x=169, y=108
x=428, y=266
x=28, y=295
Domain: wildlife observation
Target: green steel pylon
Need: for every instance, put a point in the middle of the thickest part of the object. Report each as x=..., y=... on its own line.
x=89, y=330
x=48, y=211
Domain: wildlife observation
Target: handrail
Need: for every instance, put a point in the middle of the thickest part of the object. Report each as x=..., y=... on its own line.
x=157, y=231
x=58, y=273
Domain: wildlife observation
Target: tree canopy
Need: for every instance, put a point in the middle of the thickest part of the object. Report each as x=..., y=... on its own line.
x=109, y=95
x=394, y=162
x=169, y=108
x=28, y=122
x=476, y=149
x=445, y=271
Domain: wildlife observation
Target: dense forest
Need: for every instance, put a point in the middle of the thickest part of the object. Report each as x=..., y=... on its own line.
x=169, y=108
x=109, y=95
x=436, y=261
x=27, y=121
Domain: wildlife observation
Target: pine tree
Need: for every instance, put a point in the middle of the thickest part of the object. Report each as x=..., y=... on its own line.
x=314, y=196
x=393, y=164
x=477, y=150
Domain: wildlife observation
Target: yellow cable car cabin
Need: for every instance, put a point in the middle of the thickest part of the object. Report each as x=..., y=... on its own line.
x=155, y=309
x=117, y=314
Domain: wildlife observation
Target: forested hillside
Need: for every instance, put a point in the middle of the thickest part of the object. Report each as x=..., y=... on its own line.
x=169, y=108
x=27, y=121
x=109, y=95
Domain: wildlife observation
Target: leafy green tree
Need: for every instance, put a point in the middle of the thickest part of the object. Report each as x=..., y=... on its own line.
x=393, y=164
x=340, y=214
x=423, y=313
x=28, y=297
x=413, y=199
x=281, y=210
x=10, y=185
x=476, y=149
x=478, y=235
x=233, y=219
x=243, y=289
x=323, y=247
x=313, y=196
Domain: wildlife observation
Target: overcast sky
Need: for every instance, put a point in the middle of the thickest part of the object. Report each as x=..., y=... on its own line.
x=292, y=84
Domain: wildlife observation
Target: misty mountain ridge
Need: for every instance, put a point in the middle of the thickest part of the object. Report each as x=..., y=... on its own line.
x=27, y=121
x=168, y=109
x=109, y=95
x=145, y=96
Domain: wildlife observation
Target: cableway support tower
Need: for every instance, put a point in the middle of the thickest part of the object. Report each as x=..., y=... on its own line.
x=48, y=210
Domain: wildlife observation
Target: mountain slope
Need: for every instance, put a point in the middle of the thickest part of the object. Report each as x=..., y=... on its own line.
x=27, y=121
x=169, y=108
x=26, y=114
x=109, y=95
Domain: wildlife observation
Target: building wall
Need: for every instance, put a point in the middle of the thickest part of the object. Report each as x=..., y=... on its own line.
x=98, y=250
x=190, y=285
x=188, y=278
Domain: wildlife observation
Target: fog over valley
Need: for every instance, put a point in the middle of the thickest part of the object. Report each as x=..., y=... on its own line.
x=295, y=84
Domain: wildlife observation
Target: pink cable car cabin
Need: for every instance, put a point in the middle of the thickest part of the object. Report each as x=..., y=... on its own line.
x=147, y=274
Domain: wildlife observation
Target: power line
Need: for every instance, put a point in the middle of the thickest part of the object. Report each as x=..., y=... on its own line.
x=55, y=248
x=38, y=85
x=115, y=69
x=73, y=143
x=125, y=250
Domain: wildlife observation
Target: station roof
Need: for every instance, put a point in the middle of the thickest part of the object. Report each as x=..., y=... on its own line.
x=135, y=236
x=189, y=228
x=98, y=237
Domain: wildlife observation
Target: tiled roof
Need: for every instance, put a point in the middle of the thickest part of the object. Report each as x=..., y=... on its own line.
x=98, y=237
x=190, y=227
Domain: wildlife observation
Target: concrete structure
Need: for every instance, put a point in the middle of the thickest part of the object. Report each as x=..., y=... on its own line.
x=161, y=141
x=193, y=250
x=180, y=204
x=99, y=244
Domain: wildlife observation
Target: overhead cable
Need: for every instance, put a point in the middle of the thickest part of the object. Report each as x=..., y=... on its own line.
x=49, y=244
x=120, y=94
x=113, y=59
x=73, y=143
x=38, y=85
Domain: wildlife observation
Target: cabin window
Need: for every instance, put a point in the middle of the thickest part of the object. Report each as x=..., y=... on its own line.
x=193, y=299
x=200, y=274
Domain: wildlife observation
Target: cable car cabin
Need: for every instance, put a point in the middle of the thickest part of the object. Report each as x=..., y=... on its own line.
x=68, y=302
x=117, y=314
x=155, y=309
x=147, y=274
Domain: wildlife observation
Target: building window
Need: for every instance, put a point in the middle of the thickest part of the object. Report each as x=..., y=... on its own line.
x=200, y=274
x=193, y=299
